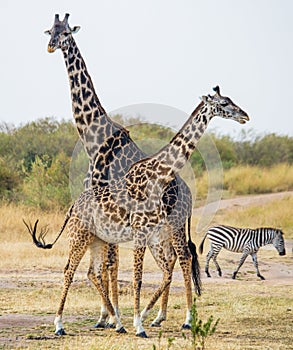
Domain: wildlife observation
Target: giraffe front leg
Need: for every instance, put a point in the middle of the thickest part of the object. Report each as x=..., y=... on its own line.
x=113, y=263
x=104, y=314
x=95, y=275
x=110, y=278
x=139, y=252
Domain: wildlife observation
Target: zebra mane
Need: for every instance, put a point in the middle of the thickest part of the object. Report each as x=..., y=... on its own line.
x=267, y=229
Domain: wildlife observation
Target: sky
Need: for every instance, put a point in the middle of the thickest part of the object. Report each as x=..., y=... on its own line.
x=154, y=52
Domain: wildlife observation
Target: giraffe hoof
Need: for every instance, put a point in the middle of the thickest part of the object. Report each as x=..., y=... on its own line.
x=155, y=324
x=234, y=276
x=121, y=330
x=142, y=335
x=110, y=325
x=60, y=332
x=261, y=277
x=186, y=326
x=100, y=325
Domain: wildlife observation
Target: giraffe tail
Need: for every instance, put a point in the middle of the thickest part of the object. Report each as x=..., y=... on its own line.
x=40, y=241
x=194, y=262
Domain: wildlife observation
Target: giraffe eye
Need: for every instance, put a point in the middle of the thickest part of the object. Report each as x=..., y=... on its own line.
x=224, y=104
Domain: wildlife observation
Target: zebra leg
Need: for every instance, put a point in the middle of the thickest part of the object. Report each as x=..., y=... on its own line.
x=254, y=259
x=209, y=256
x=244, y=256
x=213, y=253
x=217, y=265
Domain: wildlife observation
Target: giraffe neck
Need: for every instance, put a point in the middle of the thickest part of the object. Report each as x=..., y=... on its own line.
x=91, y=120
x=176, y=154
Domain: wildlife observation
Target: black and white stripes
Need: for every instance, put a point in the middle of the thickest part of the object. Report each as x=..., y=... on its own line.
x=241, y=240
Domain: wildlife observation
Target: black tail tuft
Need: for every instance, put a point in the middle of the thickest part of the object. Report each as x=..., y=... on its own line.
x=39, y=242
x=195, y=268
x=196, y=278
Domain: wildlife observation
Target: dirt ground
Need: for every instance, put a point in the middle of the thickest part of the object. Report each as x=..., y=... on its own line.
x=277, y=273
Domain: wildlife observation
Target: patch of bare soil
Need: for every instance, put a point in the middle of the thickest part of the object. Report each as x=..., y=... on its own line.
x=245, y=201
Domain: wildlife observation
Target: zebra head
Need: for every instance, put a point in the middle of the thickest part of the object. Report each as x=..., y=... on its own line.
x=278, y=242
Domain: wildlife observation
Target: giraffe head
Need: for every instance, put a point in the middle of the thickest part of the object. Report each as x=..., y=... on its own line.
x=60, y=33
x=222, y=106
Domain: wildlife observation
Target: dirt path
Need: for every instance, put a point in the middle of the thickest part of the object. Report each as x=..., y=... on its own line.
x=245, y=201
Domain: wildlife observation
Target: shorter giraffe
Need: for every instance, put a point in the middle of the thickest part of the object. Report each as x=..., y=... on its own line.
x=132, y=209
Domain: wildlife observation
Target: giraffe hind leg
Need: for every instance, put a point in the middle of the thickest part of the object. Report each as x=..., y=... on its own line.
x=110, y=279
x=76, y=252
x=185, y=261
x=170, y=255
x=158, y=251
x=139, y=252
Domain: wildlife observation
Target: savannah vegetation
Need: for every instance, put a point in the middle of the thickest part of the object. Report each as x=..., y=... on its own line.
x=35, y=159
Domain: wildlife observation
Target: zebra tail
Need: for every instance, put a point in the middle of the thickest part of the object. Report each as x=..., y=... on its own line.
x=196, y=278
x=200, y=248
x=40, y=241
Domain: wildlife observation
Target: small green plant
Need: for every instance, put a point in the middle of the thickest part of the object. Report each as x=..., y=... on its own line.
x=169, y=340
x=199, y=330
x=159, y=341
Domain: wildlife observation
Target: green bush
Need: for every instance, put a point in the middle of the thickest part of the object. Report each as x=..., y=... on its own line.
x=35, y=159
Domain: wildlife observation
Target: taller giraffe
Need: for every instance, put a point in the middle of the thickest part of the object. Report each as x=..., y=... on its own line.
x=132, y=208
x=112, y=152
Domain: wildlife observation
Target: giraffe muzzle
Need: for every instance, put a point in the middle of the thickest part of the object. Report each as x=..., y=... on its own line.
x=51, y=49
x=244, y=119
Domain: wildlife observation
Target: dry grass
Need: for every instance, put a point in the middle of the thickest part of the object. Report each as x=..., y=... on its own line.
x=254, y=314
x=251, y=180
x=242, y=180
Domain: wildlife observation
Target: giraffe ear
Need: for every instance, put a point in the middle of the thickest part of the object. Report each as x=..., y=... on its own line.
x=75, y=29
x=47, y=32
x=207, y=99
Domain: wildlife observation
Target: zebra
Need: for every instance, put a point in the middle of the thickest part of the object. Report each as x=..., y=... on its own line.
x=241, y=240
